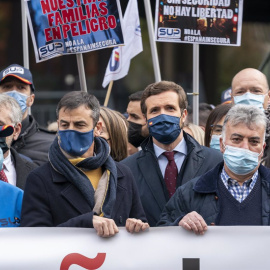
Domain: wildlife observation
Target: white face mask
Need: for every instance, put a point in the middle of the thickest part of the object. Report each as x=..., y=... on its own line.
x=250, y=99
x=239, y=160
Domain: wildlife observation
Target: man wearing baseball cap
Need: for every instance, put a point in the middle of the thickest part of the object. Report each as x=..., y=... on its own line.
x=33, y=142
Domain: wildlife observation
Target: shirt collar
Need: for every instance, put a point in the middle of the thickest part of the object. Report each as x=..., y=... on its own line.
x=181, y=147
x=229, y=181
x=7, y=161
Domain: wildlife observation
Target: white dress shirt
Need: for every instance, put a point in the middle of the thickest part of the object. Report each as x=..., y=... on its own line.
x=179, y=156
x=9, y=170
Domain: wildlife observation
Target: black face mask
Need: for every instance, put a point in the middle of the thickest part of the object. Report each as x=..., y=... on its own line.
x=3, y=145
x=135, y=134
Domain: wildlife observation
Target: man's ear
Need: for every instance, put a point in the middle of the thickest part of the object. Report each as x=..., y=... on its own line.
x=183, y=117
x=30, y=100
x=145, y=118
x=98, y=129
x=221, y=145
x=17, y=131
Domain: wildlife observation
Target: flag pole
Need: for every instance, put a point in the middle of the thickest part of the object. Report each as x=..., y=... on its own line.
x=81, y=72
x=24, y=36
x=149, y=18
x=108, y=94
x=196, y=84
x=25, y=40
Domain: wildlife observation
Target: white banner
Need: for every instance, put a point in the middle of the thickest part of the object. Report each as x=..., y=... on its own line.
x=222, y=248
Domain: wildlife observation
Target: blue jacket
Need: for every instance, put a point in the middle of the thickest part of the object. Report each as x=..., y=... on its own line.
x=201, y=195
x=10, y=205
x=51, y=200
x=145, y=168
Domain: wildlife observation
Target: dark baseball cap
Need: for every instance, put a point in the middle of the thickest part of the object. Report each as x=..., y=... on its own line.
x=6, y=130
x=226, y=96
x=19, y=72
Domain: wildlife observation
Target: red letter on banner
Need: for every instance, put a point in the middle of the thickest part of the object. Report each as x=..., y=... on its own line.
x=87, y=263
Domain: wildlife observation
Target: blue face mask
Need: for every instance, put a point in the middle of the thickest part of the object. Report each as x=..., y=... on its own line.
x=250, y=99
x=240, y=161
x=74, y=142
x=214, y=143
x=164, y=128
x=20, y=98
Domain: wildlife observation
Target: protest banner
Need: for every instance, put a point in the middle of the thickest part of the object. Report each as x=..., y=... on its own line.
x=215, y=22
x=167, y=248
x=73, y=26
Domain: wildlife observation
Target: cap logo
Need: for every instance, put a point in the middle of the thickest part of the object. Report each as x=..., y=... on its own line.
x=13, y=70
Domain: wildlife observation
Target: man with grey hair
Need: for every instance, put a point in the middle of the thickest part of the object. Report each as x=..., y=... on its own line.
x=236, y=191
x=15, y=167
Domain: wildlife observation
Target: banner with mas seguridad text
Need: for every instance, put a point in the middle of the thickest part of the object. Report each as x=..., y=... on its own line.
x=173, y=248
x=215, y=22
x=73, y=26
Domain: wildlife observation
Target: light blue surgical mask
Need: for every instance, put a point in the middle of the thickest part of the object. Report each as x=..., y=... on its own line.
x=20, y=98
x=214, y=143
x=239, y=160
x=250, y=99
x=74, y=142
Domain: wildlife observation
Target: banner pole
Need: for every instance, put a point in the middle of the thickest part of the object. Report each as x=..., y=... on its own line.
x=196, y=84
x=149, y=18
x=108, y=94
x=81, y=72
x=25, y=40
x=24, y=36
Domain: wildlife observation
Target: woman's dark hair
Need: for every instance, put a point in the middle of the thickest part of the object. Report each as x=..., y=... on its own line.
x=214, y=117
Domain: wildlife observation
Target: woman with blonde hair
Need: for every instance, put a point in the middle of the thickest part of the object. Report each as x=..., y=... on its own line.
x=196, y=132
x=114, y=131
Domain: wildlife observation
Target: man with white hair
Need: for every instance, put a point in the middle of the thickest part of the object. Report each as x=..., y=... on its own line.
x=236, y=191
x=15, y=167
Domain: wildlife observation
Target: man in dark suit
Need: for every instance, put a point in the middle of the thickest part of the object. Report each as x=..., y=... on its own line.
x=82, y=186
x=164, y=105
x=16, y=167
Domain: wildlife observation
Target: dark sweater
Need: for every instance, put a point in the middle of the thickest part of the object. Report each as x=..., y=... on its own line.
x=247, y=212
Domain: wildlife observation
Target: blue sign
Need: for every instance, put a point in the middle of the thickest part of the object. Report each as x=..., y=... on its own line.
x=73, y=26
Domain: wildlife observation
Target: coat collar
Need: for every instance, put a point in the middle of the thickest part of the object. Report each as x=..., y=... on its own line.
x=207, y=183
x=147, y=144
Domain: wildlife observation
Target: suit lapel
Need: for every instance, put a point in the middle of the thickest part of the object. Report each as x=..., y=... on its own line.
x=153, y=178
x=71, y=194
x=190, y=167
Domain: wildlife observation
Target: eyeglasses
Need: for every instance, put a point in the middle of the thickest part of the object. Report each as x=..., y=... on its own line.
x=216, y=129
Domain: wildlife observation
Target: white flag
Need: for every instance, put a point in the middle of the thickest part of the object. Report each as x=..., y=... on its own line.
x=118, y=65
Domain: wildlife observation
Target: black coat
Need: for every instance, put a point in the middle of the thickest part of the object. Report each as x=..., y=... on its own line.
x=50, y=200
x=145, y=168
x=33, y=141
x=201, y=195
x=22, y=167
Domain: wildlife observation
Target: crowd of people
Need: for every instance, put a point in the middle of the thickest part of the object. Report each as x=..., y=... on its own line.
x=149, y=167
